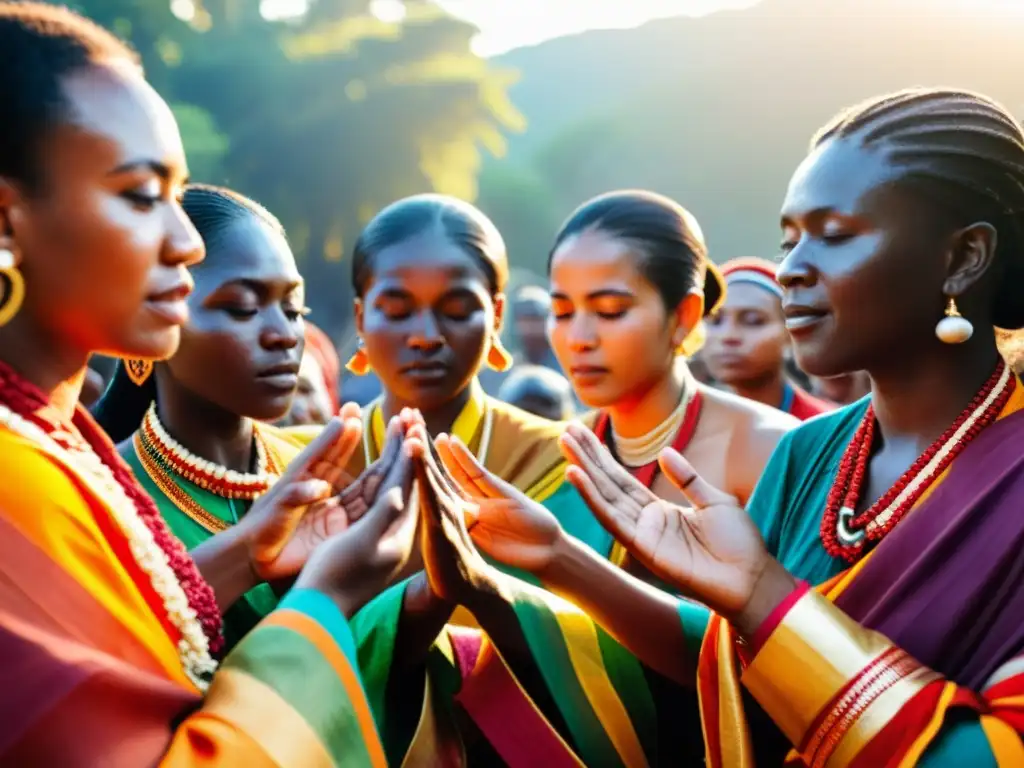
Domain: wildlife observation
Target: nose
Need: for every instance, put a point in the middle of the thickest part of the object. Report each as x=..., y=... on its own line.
x=581, y=335
x=426, y=333
x=279, y=331
x=796, y=269
x=183, y=245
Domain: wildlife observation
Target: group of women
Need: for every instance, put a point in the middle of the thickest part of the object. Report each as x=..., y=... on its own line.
x=442, y=579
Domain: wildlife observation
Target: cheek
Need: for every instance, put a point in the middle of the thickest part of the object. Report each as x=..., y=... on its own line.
x=468, y=339
x=214, y=350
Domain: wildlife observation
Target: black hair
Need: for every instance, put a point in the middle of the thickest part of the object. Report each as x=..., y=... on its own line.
x=212, y=210
x=463, y=224
x=40, y=44
x=964, y=151
x=666, y=235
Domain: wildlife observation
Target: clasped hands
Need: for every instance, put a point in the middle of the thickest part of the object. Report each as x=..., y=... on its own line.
x=356, y=534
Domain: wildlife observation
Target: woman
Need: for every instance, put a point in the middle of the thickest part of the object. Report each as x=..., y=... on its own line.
x=903, y=250
x=108, y=631
x=429, y=274
x=197, y=441
x=747, y=341
x=843, y=389
x=630, y=285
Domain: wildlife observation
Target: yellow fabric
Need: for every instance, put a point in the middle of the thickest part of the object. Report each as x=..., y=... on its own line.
x=1003, y=740
x=275, y=726
x=585, y=654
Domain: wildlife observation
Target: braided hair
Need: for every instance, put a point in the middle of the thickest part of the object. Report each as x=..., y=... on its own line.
x=213, y=211
x=966, y=153
x=41, y=44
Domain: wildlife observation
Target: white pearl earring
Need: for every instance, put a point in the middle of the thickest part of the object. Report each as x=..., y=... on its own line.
x=953, y=328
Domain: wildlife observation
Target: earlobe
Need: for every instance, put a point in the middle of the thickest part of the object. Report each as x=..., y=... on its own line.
x=971, y=256
x=357, y=309
x=499, y=312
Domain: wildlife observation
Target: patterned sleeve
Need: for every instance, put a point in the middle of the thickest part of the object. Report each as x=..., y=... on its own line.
x=846, y=696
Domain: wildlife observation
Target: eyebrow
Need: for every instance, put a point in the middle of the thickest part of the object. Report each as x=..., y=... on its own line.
x=815, y=213
x=259, y=286
x=160, y=169
x=604, y=293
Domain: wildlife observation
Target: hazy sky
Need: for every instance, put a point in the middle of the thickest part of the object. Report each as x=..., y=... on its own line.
x=506, y=24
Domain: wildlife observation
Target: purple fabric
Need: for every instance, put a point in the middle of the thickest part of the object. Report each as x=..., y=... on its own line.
x=947, y=585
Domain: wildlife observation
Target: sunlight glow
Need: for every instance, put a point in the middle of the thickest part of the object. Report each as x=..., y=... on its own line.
x=282, y=10
x=183, y=9
x=389, y=11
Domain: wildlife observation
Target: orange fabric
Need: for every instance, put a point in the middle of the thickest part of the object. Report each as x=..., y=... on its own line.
x=51, y=507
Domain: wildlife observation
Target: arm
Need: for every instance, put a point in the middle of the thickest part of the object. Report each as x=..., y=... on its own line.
x=844, y=694
x=642, y=618
x=288, y=695
x=224, y=561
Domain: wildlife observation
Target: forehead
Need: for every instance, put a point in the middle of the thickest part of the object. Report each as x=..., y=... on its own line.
x=423, y=262
x=742, y=295
x=248, y=249
x=837, y=175
x=114, y=106
x=594, y=258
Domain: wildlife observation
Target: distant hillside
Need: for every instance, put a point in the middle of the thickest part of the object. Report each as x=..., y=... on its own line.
x=717, y=111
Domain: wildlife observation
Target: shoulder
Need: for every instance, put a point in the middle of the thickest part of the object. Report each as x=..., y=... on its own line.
x=750, y=423
x=526, y=426
x=524, y=448
x=806, y=405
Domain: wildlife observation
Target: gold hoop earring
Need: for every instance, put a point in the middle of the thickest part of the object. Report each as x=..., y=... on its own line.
x=13, y=286
x=138, y=370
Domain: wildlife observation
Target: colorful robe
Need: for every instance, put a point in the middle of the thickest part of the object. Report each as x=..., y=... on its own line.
x=247, y=612
x=914, y=655
x=598, y=707
x=91, y=670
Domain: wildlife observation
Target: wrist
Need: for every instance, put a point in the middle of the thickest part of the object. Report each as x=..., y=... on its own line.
x=558, y=572
x=773, y=586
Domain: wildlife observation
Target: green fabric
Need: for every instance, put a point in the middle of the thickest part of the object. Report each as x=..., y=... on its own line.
x=247, y=612
x=290, y=664
x=790, y=498
x=960, y=742
x=627, y=676
x=577, y=520
x=375, y=628
x=549, y=651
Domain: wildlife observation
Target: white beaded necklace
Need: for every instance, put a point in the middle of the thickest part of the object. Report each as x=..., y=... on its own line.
x=193, y=647
x=641, y=451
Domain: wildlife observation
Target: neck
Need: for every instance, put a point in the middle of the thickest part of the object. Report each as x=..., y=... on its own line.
x=636, y=416
x=438, y=420
x=920, y=400
x=769, y=389
x=55, y=367
x=205, y=429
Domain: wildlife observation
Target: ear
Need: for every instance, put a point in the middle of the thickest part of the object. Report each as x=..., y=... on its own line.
x=357, y=309
x=970, y=257
x=688, y=315
x=499, y=311
x=10, y=214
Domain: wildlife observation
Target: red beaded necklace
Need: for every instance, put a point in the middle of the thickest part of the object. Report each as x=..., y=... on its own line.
x=29, y=402
x=848, y=535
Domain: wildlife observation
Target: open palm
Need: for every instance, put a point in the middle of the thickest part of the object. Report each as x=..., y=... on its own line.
x=712, y=552
x=287, y=537
x=509, y=526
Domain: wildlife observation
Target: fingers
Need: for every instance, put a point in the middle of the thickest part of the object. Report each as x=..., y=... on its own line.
x=393, y=501
x=465, y=465
x=697, y=490
x=350, y=411
x=619, y=519
x=304, y=493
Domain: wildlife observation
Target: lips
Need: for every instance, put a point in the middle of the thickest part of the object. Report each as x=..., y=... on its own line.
x=283, y=376
x=426, y=370
x=585, y=375
x=802, y=317
x=168, y=301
